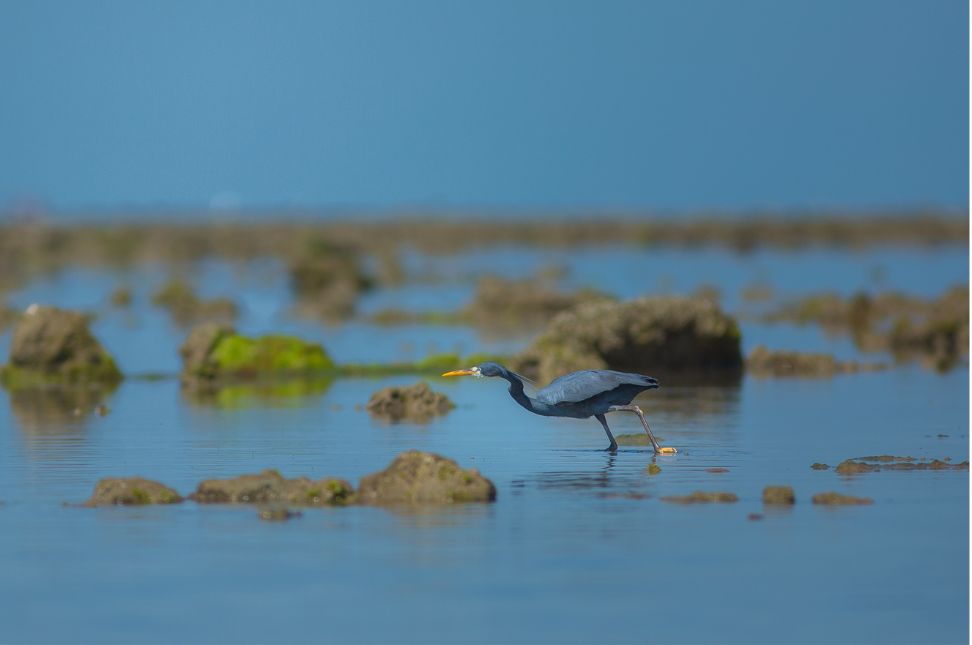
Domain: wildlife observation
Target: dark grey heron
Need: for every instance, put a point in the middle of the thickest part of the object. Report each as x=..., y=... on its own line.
x=578, y=395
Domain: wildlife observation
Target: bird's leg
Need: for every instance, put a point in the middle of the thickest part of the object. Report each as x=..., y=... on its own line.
x=641, y=415
x=614, y=444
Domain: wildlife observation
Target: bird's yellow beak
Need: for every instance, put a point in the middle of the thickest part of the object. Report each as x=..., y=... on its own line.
x=459, y=373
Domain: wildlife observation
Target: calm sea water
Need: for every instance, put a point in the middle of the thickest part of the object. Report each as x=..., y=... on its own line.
x=578, y=546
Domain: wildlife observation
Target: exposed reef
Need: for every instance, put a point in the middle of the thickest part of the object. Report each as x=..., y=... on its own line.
x=269, y=487
x=671, y=333
x=701, y=497
x=875, y=463
x=779, y=495
x=180, y=299
x=935, y=330
x=417, y=403
x=131, y=491
x=838, y=499
x=424, y=478
x=762, y=362
x=213, y=352
x=327, y=279
x=51, y=345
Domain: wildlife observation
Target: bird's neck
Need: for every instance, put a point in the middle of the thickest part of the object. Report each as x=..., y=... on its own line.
x=516, y=391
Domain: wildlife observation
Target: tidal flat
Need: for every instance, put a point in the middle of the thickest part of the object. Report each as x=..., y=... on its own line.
x=578, y=546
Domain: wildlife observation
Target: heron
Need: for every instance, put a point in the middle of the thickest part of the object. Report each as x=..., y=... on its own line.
x=578, y=395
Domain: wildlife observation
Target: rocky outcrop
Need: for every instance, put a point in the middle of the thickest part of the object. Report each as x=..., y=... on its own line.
x=131, y=491
x=670, y=333
x=416, y=477
x=417, y=403
x=51, y=345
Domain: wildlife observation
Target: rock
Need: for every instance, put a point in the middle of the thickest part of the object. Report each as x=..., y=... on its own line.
x=269, y=487
x=416, y=477
x=779, y=495
x=51, y=345
x=716, y=471
x=516, y=303
x=837, y=498
x=701, y=497
x=417, y=403
x=875, y=463
x=134, y=491
x=645, y=334
x=214, y=351
x=851, y=467
x=819, y=466
x=121, y=296
x=278, y=514
x=328, y=279
x=763, y=362
x=186, y=307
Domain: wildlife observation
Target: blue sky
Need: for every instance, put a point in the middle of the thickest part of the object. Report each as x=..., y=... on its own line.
x=675, y=105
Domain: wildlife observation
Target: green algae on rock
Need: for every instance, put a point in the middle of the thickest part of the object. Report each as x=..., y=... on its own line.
x=673, y=333
x=836, y=499
x=762, y=363
x=417, y=403
x=416, y=477
x=779, y=495
x=702, y=497
x=51, y=345
x=213, y=351
x=269, y=486
x=131, y=491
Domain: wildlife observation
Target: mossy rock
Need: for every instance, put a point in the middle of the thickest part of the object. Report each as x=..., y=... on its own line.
x=672, y=333
x=417, y=403
x=270, y=487
x=51, y=345
x=216, y=351
x=416, y=477
x=132, y=491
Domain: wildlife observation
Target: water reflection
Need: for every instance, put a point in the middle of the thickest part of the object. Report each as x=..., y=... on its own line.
x=282, y=393
x=58, y=411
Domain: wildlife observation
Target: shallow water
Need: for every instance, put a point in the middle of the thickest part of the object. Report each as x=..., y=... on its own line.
x=578, y=546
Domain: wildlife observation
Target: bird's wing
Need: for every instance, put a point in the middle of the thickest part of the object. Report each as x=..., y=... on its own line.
x=580, y=386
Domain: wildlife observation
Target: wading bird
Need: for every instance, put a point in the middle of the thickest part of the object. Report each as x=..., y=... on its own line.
x=578, y=395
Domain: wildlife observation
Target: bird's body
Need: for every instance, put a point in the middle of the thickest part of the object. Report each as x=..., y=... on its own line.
x=578, y=395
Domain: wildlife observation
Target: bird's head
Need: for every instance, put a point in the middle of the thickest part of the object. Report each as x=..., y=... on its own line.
x=483, y=369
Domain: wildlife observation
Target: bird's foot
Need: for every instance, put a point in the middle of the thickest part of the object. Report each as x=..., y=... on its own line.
x=612, y=448
x=666, y=450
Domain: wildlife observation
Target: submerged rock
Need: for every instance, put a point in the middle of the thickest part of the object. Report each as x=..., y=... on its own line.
x=418, y=403
x=701, y=497
x=832, y=498
x=819, y=466
x=763, y=362
x=214, y=351
x=51, y=345
x=648, y=333
x=269, y=486
x=782, y=495
x=278, y=514
x=134, y=491
x=416, y=477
